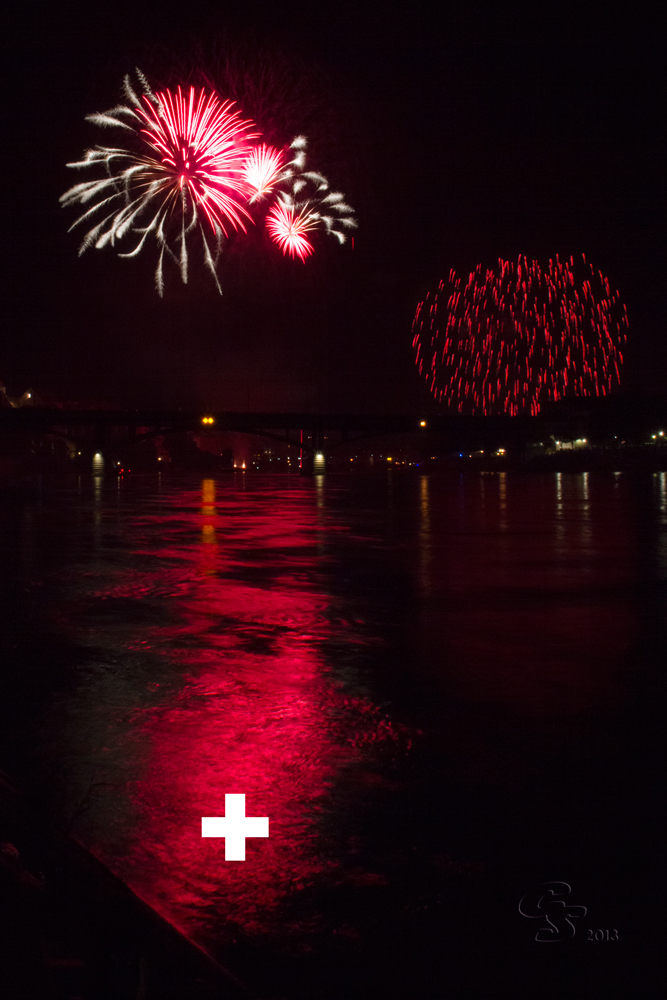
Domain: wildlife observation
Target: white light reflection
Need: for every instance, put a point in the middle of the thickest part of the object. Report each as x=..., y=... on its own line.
x=98, y=483
x=424, y=534
x=661, y=478
x=320, y=505
x=585, y=512
x=560, y=519
x=502, y=476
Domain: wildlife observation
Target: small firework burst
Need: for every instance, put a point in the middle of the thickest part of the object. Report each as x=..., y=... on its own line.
x=288, y=228
x=306, y=202
x=261, y=171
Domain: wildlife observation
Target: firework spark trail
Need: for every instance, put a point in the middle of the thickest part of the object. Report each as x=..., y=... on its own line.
x=191, y=168
x=510, y=340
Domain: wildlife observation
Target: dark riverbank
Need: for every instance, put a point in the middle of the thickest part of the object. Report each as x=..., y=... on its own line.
x=70, y=929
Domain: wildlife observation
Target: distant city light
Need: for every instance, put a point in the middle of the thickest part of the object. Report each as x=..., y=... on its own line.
x=422, y=423
x=208, y=420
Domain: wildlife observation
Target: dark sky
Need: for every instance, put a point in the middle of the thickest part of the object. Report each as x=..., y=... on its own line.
x=458, y=137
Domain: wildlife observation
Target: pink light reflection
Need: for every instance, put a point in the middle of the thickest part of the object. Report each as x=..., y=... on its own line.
x=258, y=714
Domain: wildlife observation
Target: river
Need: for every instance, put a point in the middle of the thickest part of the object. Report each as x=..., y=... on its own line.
x=441, y=691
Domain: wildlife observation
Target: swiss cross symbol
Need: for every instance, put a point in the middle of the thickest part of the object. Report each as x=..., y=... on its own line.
x=235, y=826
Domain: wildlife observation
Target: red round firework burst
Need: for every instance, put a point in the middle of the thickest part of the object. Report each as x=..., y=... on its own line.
x=288, y=228
x=203, y=147
x=510, y=340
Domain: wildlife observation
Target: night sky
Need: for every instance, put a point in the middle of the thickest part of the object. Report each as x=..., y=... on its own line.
x=458, y=137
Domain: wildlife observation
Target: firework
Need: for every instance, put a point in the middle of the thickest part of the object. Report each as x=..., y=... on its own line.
x=511, y=339
x=185, y=168
x=191, y=170
x=306, y=202
x=261, y=171
x=288, y=228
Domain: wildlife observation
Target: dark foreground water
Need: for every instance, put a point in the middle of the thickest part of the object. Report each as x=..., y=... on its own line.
x=442, y=692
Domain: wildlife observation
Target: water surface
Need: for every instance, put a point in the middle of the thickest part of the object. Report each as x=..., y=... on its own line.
x=439, y=690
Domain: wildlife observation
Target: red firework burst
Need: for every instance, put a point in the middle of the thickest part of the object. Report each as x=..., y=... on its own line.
x=507, y=341
x=204, y=146
x=288, y=227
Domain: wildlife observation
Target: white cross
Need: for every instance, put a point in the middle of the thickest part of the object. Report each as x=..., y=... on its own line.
x=235, y=826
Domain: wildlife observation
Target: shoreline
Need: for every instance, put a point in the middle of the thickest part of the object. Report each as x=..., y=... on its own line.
x=71, y=927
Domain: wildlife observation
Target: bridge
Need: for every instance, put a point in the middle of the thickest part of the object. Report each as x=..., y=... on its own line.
x=114, y=430
x=111, y=432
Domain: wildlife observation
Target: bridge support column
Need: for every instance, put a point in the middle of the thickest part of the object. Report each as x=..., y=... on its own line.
x=313, y=463
x=319, y=462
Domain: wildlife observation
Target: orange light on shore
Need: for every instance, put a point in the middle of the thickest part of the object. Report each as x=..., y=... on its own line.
x=208, y=420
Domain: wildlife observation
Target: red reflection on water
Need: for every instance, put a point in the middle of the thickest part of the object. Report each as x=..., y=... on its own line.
x=256, y=715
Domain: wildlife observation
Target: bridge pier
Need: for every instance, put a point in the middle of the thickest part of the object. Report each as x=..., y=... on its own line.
x=313, y=463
